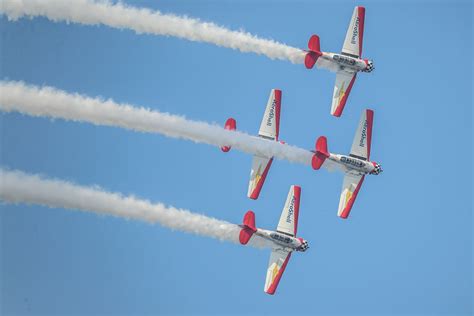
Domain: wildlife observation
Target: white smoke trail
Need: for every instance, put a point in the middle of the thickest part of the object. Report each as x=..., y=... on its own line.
x=142, y=20
x=19, y=187
x=50, y=102
x=322, y=63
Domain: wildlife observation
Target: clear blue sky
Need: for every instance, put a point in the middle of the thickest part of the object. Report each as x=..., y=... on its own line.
x=405, y=250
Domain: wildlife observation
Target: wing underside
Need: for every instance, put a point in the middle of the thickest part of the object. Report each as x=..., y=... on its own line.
x=258, y=174
x=344, y=82
x=363, y=136
x=350, y=189
x=270, y=126
x=276, y=266
x=288, y=223
x=355, y=34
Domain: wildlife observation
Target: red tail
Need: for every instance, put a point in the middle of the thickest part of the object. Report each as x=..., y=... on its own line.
x=248, y=228
x=230, y=125
x=321, y=153
x=314, y=52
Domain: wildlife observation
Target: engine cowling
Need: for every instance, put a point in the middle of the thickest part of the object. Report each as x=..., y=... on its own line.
x=370, y=66
x=304, y=245
x=377, y=169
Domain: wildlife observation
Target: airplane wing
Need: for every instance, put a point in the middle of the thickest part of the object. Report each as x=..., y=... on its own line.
x=355, y=34
x=270, y=126
x=288, y=223
x=269, y=129
x=342, y=88
x=258, y=174
x=363, y=137
x=350, y=189
x=276, y=266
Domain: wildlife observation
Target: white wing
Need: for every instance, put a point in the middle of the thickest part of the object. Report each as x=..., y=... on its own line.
x=342, y=88
x=288, y=223
x=355, y=34
x=258, y=174
x=363, y=136
x=350, y=189
x=276, y=266
x=270, y=126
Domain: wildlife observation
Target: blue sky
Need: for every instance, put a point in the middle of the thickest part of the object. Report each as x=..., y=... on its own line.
x=405, y=250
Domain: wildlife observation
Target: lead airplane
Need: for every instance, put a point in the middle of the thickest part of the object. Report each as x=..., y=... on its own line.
x=284, y=238
x=269, y=130
x=348, y=63
x=356, y=166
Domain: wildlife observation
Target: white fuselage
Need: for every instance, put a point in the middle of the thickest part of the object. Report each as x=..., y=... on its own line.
x=352, y=164
x=352, y=64
x=287, y=242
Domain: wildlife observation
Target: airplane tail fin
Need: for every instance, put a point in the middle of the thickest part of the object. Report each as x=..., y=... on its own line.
x=230, y=125
x=248, y=228
x=321, y=153
x=314, y=52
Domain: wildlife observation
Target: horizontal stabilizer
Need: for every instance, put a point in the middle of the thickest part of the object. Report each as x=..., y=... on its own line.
x=321, y=153
x=230, y=125
x=248, y=228
x=314, y=52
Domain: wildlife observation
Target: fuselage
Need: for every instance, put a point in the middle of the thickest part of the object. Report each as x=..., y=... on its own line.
x=349, y=63
x=287, y=242
x=355, y=165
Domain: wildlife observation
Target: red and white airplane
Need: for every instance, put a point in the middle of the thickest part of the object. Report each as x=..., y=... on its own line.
x=355, y=166
x=348, y=63
x=284, y=238
x=269, y=129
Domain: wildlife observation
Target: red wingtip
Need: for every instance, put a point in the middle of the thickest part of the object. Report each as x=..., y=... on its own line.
x=361, y=14
x=370, y=123
x=277, y=112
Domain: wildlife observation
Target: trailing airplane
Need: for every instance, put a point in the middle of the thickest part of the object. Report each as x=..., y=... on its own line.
x=284, y=238
x=349, y=62
x=355, y=166
x=269, y=129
